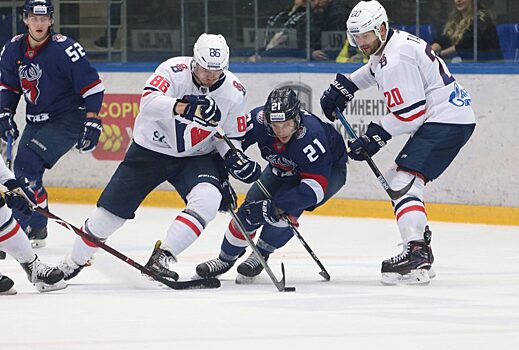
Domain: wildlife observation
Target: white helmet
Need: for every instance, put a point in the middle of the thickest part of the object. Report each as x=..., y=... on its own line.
x=211, y=52
x=366, y=16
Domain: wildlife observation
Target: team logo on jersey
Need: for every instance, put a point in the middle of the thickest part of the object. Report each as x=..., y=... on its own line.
x=301, y=132
x=179, y=67
x=59, y=38
x=30, y=75
x=239, y=87
x=383, y=61
x=260, y=117
x=281, y=166
x=460, y=97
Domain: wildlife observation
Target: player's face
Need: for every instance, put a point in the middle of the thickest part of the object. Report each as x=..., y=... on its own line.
x=206, y=77
x=284, y=130
x=38, y=26
x=368, y=42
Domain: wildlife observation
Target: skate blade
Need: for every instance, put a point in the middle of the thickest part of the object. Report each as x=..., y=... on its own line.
x=431, y=273
x=415, y=277
x=241, y=279
x=38, y=243
x=11, y=291
x=44, y=287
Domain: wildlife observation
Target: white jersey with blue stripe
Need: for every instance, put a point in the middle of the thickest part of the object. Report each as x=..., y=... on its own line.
x=416, y=84
x=157, y=129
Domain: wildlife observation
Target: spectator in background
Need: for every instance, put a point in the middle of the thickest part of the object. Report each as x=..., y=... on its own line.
x=350, y=54
x=326, y=15
x=458, y=36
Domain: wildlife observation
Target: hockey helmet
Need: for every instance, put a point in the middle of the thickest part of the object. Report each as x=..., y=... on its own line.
x=366, y=16
x=211, y=52
x=282, y=105
x=38, y=7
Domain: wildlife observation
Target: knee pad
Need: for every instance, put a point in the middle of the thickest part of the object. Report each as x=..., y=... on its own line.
x=204, y=199
x=102, y=223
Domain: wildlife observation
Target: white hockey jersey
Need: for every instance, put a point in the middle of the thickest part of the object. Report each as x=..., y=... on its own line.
x=416, y=84
x=157, y=129
x=5, y=173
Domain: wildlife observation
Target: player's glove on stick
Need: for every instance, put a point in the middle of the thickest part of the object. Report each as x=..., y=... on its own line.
x=242, y=167
x=23, y=197
x=260, y=212
x=202, y=110
x=370, y=143
x=8, y=125
x=339, y=94
x=229, y=198
x=91, y=132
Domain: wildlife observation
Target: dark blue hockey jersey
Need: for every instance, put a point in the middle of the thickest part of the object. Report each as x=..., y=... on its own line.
x=310, y=155
x=55, y=78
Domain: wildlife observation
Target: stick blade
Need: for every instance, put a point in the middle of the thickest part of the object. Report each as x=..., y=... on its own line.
x=204, y=283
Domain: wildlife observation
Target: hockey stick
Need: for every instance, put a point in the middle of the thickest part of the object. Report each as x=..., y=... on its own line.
x=393, y=194
x=323, y=272
x=193, y=284
x=8, y=163
x=9, y=152
x=280, y=285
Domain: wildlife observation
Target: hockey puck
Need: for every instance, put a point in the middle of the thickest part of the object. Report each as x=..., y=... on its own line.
x=290, y=289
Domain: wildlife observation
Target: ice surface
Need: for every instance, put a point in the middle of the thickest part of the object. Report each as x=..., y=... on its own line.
x=472, y=304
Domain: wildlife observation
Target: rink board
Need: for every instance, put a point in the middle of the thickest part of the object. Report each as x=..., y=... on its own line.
x=334, y=207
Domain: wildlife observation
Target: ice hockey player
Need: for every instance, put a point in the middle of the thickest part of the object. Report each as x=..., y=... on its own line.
x=423, y=100
x=307, y=165
x=15, y=242
x=183, y=102
x=63, y=94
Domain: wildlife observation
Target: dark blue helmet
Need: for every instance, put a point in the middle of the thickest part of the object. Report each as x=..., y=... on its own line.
x=38, y=7
x=282, y=104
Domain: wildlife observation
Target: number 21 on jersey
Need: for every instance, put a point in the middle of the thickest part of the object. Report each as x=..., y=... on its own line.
x=312, y=153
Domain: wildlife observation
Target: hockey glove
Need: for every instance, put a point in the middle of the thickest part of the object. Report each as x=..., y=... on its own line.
x=339, y=94
x=202, y=110
x=260, y=213
x=368, y=144
x=22, y=198
x=229, y=198
x=242, y=167
x=7, y=125
x=91, y=132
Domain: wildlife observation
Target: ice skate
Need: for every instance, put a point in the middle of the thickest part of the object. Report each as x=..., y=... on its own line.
x=70, y=269
x=409, y=267
x=249, y=269
x=427, y=235
x=6, y=286
x=37, y=236
x=159, y=262
x=213, y=268
x=44, y=277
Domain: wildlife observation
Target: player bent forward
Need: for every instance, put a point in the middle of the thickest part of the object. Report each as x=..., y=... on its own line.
x=425, y=101
x=174, y=137
x=307, y=165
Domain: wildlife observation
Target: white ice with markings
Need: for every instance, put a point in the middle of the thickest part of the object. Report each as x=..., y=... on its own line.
x=473, y=303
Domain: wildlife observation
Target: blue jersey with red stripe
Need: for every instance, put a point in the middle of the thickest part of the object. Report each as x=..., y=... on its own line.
x=310, y=155
x=55, y=78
